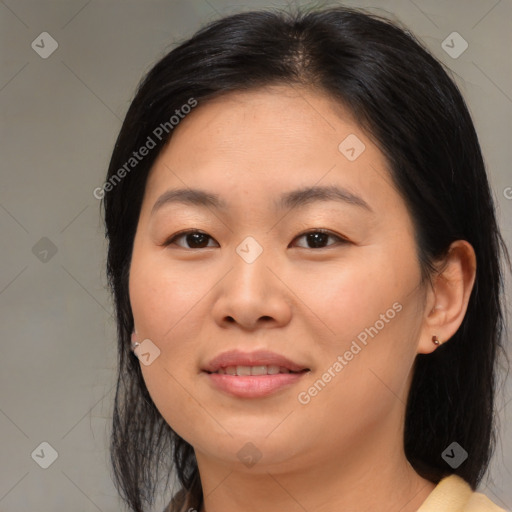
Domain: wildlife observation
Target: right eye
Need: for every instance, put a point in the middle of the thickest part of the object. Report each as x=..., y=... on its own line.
x=193, y=237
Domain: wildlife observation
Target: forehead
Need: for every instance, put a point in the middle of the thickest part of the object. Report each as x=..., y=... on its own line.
x=265, y=122
x=267, y=140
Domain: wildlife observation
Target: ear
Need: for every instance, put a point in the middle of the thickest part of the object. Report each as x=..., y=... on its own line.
x=448, y=296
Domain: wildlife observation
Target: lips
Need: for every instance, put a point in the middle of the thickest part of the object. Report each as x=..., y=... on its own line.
x=242, y=362
x=254, y=370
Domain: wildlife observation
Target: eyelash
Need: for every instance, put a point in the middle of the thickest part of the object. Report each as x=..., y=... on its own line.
x=173, y=238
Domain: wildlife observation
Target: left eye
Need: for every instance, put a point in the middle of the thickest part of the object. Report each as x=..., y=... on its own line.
x=318, y=236
x=198, y=239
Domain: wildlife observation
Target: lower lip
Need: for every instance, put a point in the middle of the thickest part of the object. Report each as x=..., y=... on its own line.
x=253, y=386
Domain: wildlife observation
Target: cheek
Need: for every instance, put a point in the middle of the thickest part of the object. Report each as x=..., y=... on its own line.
x=164, y=296
x=163, y=308
x=168, y=311
x=369, y=309
x=348, y=296
x=170, y=307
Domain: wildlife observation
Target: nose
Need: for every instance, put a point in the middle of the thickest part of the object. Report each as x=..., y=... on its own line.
x=254, y=293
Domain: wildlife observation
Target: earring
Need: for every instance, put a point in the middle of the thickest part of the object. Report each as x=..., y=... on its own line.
x=134, y=344
x=435, y=340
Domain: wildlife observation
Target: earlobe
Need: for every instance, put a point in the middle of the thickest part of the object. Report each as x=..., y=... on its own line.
x=134, y=342
x=448, y=297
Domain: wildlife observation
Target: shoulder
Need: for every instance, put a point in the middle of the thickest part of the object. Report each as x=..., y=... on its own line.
x=454, y=494
x=479, y=502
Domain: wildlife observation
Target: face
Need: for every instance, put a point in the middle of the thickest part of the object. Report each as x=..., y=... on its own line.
x=332, y=282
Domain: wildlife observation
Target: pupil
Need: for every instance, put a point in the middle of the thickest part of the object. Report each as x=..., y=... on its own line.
x=314, y=238
x=194, y=241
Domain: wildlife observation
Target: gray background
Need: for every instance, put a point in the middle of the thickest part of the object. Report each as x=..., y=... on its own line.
x=60, y=117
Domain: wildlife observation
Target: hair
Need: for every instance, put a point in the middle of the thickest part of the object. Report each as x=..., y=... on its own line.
x=406, y=102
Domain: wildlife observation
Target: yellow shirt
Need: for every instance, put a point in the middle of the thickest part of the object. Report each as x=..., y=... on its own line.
x=453, y=494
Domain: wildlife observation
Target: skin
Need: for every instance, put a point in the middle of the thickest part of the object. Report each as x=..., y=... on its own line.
x=343, y=450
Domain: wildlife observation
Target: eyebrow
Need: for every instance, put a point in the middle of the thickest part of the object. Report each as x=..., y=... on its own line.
x=288, y=200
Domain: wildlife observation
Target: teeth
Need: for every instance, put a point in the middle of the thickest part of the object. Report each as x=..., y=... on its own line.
x=253, y=370
x=272, y=370
x=243, y=370
x=258, y=370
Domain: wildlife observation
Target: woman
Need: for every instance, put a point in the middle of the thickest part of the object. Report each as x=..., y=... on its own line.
x=306, y=264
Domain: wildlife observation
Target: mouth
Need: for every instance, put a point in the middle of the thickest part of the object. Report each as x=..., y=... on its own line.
x=242, y=371
x=258, y=362
x=256, y=374
x=243, y=382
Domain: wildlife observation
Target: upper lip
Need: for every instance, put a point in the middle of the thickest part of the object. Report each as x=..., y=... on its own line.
x=256, y=358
